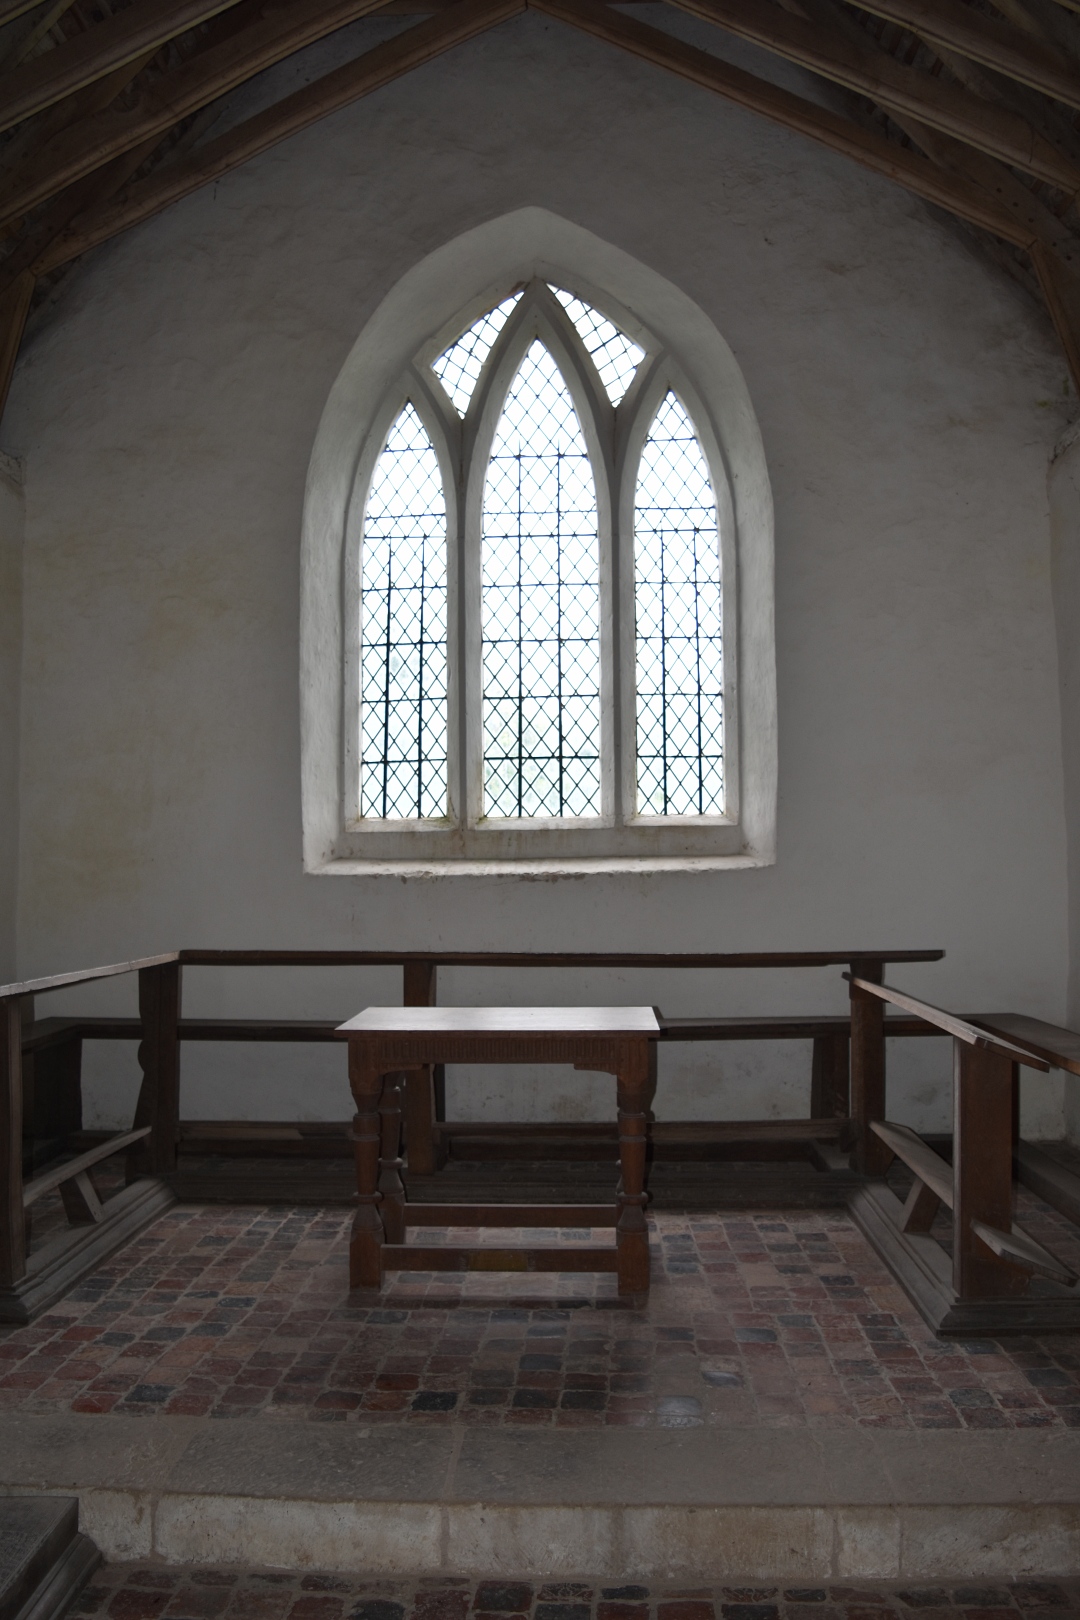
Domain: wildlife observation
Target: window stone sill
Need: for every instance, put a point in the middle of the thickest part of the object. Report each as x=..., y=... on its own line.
x=556, y=867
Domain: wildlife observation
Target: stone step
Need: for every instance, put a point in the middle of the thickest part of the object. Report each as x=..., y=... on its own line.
x=44, y=1559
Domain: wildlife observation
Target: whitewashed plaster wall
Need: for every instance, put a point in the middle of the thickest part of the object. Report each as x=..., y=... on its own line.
x=909, y=396
x=11, y=543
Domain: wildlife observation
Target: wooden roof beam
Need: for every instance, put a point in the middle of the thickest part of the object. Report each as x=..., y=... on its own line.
x=907, y=91
x=996, y=202
x=12, y=10
x=14, y=308
x=423, y=42
x=993, y=44
x=840, y=134
x=213, y=72
x=122, y=38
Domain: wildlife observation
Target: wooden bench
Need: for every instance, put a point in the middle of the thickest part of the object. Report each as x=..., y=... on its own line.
x=986, y=1287
x=1059, y=1047
x=30, y=1284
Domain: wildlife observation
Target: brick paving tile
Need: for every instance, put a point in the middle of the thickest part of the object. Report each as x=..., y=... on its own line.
x=141, y=1592
x=768, y=1319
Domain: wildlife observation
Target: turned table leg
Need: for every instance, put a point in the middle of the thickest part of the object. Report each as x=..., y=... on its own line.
x=392, y=1206
x=365, y=1245
x=636, y=1082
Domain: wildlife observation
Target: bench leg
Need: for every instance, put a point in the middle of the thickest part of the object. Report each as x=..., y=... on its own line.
x=13, y=1224
x=829, y=1078
x=636, y=1082
x=982, y=1171
x=391, y=1190
x=868, y=1071
x=420, y=990
x=365, y=1245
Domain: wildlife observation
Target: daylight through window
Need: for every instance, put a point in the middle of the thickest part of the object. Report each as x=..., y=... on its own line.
x=562, y=667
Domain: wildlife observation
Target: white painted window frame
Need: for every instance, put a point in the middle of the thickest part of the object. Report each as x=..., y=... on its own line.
x=684, y=353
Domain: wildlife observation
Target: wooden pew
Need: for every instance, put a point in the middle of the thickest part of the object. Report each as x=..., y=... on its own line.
x=1035, y=1168
x=31, y=1283
x=999, y=1279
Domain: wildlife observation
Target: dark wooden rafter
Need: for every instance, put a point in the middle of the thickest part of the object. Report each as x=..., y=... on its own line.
x=178, y=93
x=14, y=308
x=1057, y=247
x=12, y=10
x=908, y=91
x=957, y=177
x=376, y=67
x=120, y=39
x=840, y=134
x=997, y=45
x=962, y=118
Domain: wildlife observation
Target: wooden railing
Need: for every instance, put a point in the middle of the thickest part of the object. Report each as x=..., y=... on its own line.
x=992, y=1259
x=161, y=1029
x=152, y=1131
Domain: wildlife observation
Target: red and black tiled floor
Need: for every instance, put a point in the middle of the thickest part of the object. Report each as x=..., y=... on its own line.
x=755, y=1319
x=127, y=1592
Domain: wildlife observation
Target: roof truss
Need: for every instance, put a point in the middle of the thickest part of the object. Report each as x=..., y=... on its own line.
x=109, y=109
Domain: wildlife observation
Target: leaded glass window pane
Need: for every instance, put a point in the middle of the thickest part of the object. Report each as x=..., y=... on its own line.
x=615, y=356
x=459, y=366
x=680, y=731
x=403, y=630
x=540, y=605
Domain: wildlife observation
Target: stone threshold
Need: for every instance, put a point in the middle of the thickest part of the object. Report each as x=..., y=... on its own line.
x=454, y=1499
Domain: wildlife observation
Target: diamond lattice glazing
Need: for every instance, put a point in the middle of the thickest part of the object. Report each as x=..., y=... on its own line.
x=540, y=605
x=613, y=354
x=403, y=630
x=680, y=731
x=459, y=366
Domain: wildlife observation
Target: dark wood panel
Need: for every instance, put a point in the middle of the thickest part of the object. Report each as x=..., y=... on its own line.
x=510, y=1214
x=415, y=1257
x=60, y=1173
x=51, y=1031
x=61, y=981
x=949, y=1023
x=623, y=959
x=1060, y=1047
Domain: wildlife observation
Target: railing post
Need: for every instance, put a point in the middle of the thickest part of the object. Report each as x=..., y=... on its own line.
x=868, y=1069
x=982, y=1170
x=829, y=1077
x=419, y=990
x=12, y=1215
x=159, y=1058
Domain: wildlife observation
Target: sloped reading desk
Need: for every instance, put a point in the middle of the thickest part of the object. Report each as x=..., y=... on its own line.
x=387, y=1043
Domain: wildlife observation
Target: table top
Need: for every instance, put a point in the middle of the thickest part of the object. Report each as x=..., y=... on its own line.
x=503, y=1021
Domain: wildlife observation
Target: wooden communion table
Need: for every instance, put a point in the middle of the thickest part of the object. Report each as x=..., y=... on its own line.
x=386, y=1043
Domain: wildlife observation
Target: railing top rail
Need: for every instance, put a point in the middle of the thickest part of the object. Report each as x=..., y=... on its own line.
x=625, y=959
x=949, y=1022
x=60, y=981
x=618, y=959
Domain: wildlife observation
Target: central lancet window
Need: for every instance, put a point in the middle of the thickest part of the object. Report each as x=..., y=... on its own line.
x=542, y=587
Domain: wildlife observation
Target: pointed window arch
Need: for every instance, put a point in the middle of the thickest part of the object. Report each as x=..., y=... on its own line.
x=539, y=596
x=403, y=630
x=540, y=604
x=678, y=596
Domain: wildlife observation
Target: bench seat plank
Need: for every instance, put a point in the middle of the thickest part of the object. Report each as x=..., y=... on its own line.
x=929, y=1166
x=1060, y=1047
x=72, y=1168
x=1019, y=1246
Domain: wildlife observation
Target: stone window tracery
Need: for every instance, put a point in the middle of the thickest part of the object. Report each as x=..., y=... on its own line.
x=565, y=673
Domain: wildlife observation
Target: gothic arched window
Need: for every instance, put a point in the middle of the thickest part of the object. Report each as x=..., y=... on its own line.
x=542, y=628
